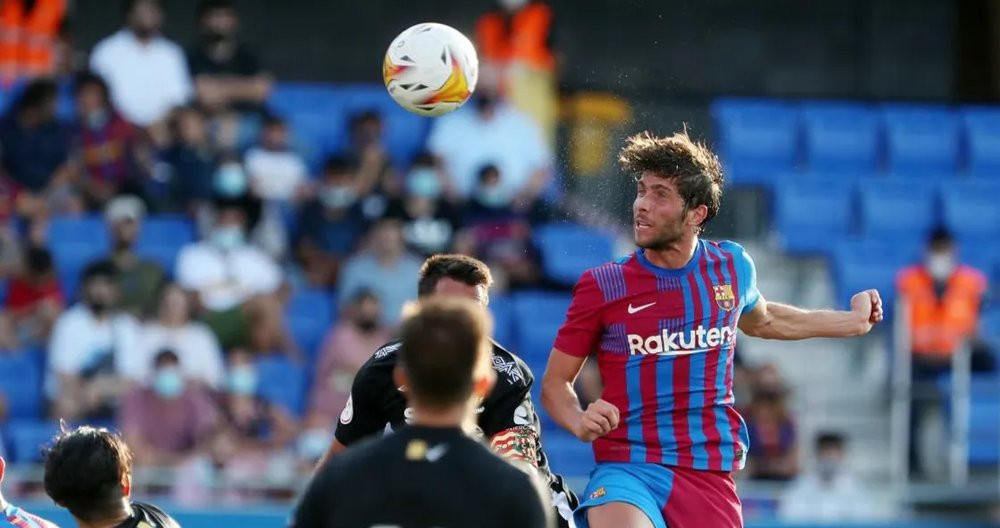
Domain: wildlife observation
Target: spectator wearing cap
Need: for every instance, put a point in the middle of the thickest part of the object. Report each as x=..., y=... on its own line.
x=34, y=301
x=385, y=268
x=92, y=350
x=139, y=280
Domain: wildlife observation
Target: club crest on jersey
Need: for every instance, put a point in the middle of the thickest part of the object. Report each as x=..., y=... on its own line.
x=724, y=296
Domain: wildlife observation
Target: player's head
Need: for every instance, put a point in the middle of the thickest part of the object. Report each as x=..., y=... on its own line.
x=444, y=358
x=457, y=276
x=679, y=187
x=88, y=471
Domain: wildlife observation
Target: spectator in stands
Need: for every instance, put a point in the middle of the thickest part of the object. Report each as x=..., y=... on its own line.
x=369, y=154
x=106, y=147
x=330, y=226
x=429, y=221
x=772, y=433
x=256, y=426
x=171, y=420
x=192, y=341
x=93, y=349
x=34, y=302
x=140, y=280
x=277, y=173
x=147, y=73
x=236, y=284
x=348, y=345
x=489, y=202
x=944, y=299
x=226, y=73
x=385, y=268
x=30, y=45
x=493, y=133
x=36, y=151
x=828, y=492
x=192, y=156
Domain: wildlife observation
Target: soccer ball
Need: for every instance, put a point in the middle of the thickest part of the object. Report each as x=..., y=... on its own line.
x=430, y=69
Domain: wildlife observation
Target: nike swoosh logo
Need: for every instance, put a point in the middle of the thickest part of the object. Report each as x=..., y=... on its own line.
x=435, y=453
x=634, y=309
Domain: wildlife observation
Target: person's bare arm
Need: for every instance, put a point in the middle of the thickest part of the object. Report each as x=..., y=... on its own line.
x=770, y=320
x=562, y=403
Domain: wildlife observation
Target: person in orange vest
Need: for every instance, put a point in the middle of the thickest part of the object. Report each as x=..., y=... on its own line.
x=29, y=37
x=943, y=300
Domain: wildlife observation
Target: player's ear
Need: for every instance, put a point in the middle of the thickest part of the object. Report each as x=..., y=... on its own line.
x=399, y=377
x=126, y=485
x=696, y=215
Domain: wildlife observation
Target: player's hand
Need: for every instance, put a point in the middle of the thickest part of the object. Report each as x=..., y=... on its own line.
x=599, y=419
x=868, y=304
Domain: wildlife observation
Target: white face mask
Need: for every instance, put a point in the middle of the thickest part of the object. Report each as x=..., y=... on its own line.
x=940, y=265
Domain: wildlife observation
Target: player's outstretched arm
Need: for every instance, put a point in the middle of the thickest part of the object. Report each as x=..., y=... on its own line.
x=770, y=320
x=563, y=405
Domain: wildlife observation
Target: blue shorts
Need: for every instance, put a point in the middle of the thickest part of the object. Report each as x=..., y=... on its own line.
x=672, y=497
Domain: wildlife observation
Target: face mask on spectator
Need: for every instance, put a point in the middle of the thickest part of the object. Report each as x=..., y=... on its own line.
x=423, y=182
x=828, y=468
x=98, y=119
x=940, y=265
x=228, y=238
x=338, y=196
x=168, y=382
x=492, y=196
x=231, y=180
x=242, y=380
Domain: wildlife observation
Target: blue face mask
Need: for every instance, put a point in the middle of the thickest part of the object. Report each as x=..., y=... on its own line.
x=242, y=380
x=97, y=120
x=338, y=196
x=228, y=238
x=168, y=383
x=492, y=196
x=230, y=180
x=424, y=183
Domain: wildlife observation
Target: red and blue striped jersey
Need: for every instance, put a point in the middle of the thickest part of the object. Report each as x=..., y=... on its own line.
x=13, y=517
x=664, y=341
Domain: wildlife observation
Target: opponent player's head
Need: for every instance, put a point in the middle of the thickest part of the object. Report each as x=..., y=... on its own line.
x=455, y=276
x=88, y=471
x=444, y=359
x=679, y=187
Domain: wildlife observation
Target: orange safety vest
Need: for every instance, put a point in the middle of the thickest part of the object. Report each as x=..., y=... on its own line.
x=939, y=325
x=28, y=39
x=523, y=37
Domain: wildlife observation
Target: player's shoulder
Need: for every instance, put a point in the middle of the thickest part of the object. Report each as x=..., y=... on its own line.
x=147, y=515
x=612, y=272
x=728, y=250
x=380, y=364
x=511, y=369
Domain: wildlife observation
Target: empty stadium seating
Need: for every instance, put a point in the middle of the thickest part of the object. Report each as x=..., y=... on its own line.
x=921, y=138
x=285, y=383
x=840, y=136
x=569, y=249
x=74, y=243
x=26, y=439
x=162, y=238
x=21, y=384
x=810, y=214
x=982, y=138
x=309, y=314
x=755, y=138
x=897, y=208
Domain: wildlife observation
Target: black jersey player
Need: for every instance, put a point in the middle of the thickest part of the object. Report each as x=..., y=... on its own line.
x=88, y=471
x=506, y=418
x=432, y=473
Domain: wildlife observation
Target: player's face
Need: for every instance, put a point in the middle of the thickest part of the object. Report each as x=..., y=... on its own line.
x=453, y=288
x=658, y=212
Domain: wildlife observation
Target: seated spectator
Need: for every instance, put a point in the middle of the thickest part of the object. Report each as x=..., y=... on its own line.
x=495, y=133
x=429, y=221
x=277, y=173
x=772, y=433
x=34, y=302
x=139, y=280
x=92, y=351
x=330, y=226
x=256, y=425
x=944, y=299
x=36, y=152
x=828, y=492
x=147, y=73
x=192, y=341
x=385, y=268
x=369, y=155
x=226, y=73
x=191, y=156
x=170, y=421
x=348, y=345
x=235, y=283
x=489, y=202
x=106, y=147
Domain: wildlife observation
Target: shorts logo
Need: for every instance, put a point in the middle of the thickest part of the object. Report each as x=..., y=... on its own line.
x=598, y=493
x=724, y=296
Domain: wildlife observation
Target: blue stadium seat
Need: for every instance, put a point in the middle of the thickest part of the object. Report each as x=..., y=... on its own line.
x=984, y=432
x=309, y=315
x=537, y=317
x=756, y=138
x=503, y=321
x=921, y=139
x=27, y=438
x=569, y=249
x=568, y=456
x=894, y=207
x=802, y=231
x=982, y=140
x=840, y=136
x=872, y=263
x=74, y=243
x=21, y=384
x=970, y=207
x=162, y=238
x=317, y=133
x=288, y=97
x=990, y=325
x=983, y=253
x=282, y=383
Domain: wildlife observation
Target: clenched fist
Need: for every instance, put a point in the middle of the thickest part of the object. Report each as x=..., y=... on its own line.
x=869, y=305
x=599, y=419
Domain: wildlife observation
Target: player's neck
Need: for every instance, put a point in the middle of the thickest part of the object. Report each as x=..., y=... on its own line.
x=122, y=516
x=675, y=256
x=455, y=417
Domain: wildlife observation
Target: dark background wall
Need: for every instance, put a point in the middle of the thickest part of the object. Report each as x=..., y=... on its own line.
x=647, y=49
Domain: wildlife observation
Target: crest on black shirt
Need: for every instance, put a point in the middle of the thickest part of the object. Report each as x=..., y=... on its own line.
x=507, y=367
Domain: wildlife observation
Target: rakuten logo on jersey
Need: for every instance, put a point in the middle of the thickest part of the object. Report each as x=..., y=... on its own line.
x=699, y=340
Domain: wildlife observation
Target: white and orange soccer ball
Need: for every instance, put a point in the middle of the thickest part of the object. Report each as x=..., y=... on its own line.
x=430, y=69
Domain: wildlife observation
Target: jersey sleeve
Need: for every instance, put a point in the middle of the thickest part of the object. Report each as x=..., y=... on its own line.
x=363, y=413
x=746, y=274
x=511, y=425
x=582, y=328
